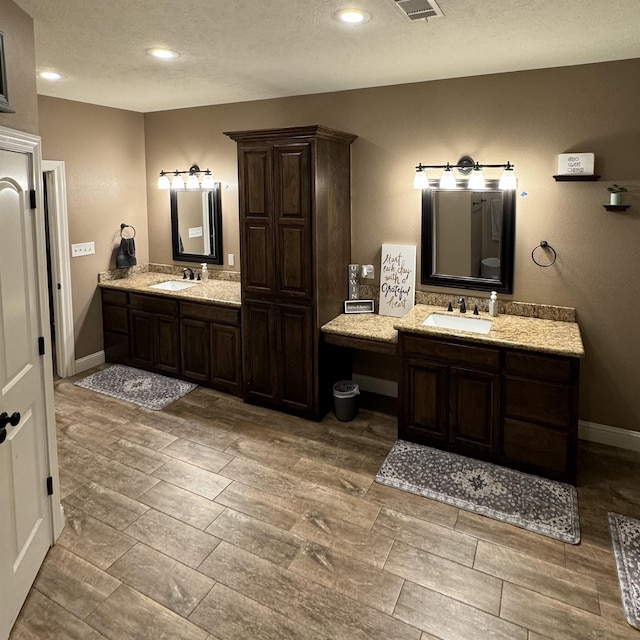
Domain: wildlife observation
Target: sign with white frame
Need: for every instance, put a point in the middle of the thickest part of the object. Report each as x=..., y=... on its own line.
x=576, y=164
x=397, y=279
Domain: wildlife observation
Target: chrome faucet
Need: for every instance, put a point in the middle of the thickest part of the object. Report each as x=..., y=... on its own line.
x=463, y=306
x=184, y=273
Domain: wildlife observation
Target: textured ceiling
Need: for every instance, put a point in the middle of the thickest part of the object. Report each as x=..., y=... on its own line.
x=239, y=50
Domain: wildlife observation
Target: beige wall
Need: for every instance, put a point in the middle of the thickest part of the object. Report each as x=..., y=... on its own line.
x=103, y=151
x=20, y=62
x=527, y=118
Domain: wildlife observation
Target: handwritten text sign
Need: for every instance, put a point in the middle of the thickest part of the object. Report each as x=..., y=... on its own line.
x=397, y=279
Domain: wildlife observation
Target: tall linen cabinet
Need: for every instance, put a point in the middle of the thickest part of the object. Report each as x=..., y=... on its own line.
x=295, y=245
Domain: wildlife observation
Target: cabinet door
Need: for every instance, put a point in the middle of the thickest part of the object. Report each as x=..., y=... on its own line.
x=142, y=338
x=166, y=345
x=256, y=219
x=194, y=337
x=474, y=409
x=225, y=358
x=296, y=367
x=424, y=402
x=292, y=201
x=259, y=355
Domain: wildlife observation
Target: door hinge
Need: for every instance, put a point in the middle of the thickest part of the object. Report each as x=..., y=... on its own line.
x=41, y=345
x=49, y=486
x=32, y=199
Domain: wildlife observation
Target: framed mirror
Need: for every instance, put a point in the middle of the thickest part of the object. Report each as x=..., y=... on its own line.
x=468, y=238
x=196, y=225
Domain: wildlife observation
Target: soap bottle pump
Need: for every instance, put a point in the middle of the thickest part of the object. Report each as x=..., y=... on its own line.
x=204, y=271
x=493, y=304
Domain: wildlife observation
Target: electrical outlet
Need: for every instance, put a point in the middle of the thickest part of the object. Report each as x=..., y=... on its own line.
x=82, y=249
x=368, y=271
x=231, y=259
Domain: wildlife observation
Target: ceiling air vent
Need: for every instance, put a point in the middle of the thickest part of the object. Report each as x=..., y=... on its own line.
x=419, y=9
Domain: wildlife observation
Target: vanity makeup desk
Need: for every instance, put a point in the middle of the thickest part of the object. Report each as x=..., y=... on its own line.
x=509, y=396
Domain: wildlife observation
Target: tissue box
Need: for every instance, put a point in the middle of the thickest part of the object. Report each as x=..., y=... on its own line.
x=576, y=163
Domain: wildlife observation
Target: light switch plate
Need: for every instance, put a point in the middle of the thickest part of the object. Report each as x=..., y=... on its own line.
x=83, y=249
x=231, y=259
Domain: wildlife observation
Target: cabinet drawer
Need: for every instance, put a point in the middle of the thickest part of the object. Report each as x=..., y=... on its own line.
x=115, y=297
x=541, y=402
x=530, y=365
x=115, y=318
x=535, y=445
x=164, y=306
x=210, y=312
x=453, y=353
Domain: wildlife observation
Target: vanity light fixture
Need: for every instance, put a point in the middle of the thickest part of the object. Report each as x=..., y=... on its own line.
x=465, y=165
x=193, y=180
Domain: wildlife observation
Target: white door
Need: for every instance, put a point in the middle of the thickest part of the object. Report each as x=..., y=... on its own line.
x=25, y=519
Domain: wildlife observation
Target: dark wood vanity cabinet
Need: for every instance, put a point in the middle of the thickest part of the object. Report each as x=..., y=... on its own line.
x=195, y=341
x=154, y=333
x=210, y=339
x=512, y=407
x=295, y=244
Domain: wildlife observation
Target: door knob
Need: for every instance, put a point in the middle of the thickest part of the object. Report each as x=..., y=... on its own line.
x=6, y=419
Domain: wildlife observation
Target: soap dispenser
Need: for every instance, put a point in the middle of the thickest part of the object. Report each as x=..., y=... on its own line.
x=204, y=271
x=493, y=304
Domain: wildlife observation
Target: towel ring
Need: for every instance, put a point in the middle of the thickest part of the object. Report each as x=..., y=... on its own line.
x=544, y=245
x=123, y=226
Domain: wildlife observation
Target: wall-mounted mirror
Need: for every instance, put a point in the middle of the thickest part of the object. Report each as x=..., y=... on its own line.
x=468, y=238
x=196, y=225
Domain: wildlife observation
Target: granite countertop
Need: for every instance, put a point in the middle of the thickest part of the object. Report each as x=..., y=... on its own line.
x=215, y=291
x=520, y=332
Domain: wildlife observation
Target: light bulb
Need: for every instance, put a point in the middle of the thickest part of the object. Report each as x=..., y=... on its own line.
x=476, y=180
x=193, y=182
x=177, y=182
x=448, y=180
x=420, y=180
x=163, y=181
x=208, y=182
x=508, y=180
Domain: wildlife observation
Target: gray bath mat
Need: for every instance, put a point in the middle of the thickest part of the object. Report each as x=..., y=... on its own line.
x=625, y=536
x=536, y=504
x=149, y=390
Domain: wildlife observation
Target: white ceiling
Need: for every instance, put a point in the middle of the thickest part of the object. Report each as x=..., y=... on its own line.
x=239, y=50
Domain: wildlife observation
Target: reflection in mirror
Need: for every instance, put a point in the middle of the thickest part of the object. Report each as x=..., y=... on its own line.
x=196, y=225
x=468, y=238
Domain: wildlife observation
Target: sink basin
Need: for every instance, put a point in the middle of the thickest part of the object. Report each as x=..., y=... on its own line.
x=458, y=323
x=173, y=285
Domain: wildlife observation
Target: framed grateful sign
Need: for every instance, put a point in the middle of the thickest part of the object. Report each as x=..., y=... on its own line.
x=4, y=98
x=397, y=279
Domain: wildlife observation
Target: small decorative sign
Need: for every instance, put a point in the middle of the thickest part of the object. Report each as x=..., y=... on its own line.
x=570, y=164
x=359, y=306
x=354, y=287
x=397, y=279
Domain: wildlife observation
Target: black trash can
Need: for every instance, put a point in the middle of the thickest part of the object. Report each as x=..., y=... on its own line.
x=345, y=400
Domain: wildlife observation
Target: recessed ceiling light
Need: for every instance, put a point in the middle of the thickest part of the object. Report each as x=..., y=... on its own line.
x=163, y=54
x=352, y=16
x=50, y=75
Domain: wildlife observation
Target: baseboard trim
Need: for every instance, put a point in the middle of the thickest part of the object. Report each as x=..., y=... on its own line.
x=90, y=361
x=613, y=436
x=376, y=385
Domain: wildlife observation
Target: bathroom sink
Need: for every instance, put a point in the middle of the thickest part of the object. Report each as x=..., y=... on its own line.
x=173, y=285
x=458, y=323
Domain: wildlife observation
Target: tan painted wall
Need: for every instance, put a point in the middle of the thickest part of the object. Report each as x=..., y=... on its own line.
x=103, y=151
x=526, y=118
x=20, y=62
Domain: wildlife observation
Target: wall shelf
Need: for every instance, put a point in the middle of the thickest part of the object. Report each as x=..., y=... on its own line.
x=616, y=207
x=576, y=178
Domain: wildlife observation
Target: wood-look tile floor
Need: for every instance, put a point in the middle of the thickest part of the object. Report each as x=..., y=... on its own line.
x=218, y=520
